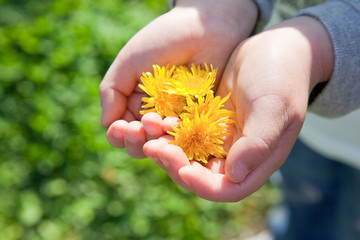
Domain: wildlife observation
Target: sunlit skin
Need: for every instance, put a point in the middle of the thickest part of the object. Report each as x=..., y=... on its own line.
x=192, y=32
x=271, y=104
x=270, y=77
x=269, y=116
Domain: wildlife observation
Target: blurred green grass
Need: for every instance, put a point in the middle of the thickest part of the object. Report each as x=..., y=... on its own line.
x=59, y=178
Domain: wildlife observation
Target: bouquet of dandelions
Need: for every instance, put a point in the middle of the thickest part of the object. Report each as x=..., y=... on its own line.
x=187, y=94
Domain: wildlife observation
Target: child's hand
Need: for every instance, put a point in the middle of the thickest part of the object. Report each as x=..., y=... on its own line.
x=193, y=32
x=270, y=76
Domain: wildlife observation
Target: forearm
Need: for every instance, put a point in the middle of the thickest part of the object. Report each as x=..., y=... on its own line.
x=316, y=47
x=310, y=49
x=341, y=20
x=265, y=10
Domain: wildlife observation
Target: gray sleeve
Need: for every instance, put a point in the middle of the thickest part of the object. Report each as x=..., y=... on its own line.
x=341, y=94
x=265, y=7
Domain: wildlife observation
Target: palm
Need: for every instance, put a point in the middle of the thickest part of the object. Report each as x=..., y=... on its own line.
x=157, y=43
x=270, y=112
x=180, y=37
x=270, y=77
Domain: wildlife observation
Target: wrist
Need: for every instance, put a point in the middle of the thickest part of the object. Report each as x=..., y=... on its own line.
x=311, y=47
x=323, y=60
x=320, y=48
x=228, y=15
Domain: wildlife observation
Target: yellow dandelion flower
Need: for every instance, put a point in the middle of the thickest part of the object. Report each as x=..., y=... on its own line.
x=208, y=104
x=201, y=137
x=184, y=93
x=194, y=82
x=160, y=100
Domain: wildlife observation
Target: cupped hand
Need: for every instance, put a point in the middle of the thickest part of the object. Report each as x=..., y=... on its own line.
x=270, y=77
x=204, y=31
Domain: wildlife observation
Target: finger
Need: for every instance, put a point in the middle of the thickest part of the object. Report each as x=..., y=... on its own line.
x=230, y=139
x=170, y=122
x=266, y=121
x=129, y=116
x=135, y=58
x=216, y=165
x=152, y=123
x=169, y=157
x=209, y=185
x=113, y=104
x=236, y=127
x=135, y=139
x=217, y=187
x=244, y=156
x=166, y=138
x=115, y=133
x=119, y=83
x=135, y=102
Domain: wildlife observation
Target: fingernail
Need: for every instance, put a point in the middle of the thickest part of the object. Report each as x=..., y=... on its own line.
x=239, y=172
x=164, y=162
x=187, y=183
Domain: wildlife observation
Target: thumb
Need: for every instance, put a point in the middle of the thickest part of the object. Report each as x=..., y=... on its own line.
x=154, y=44
x=268, y=136
x=114, y=90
